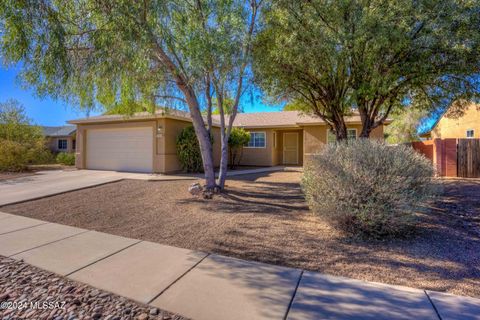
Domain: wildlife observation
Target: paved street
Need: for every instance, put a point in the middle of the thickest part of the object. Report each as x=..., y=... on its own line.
x=206, y=286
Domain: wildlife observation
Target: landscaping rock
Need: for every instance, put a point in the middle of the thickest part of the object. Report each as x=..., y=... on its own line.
x=22, y=283
x=195, y=189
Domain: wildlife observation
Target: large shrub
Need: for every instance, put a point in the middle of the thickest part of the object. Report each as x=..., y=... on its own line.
x=367, y=188
x=21, y=143
x=239, y=138
x=66, y=158
x=188, y=151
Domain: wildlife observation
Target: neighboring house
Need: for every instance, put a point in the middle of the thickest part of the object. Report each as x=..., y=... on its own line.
x=60, y=139
x=146, y=142
x=456, y=122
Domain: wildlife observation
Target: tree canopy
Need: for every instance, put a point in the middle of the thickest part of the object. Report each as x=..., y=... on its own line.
x=133, y=55
x=370, y=57
x=406, y=125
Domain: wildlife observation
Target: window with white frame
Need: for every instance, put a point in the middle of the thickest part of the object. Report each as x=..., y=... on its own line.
x=62, y=144
x=470, y=133
x=257, y=140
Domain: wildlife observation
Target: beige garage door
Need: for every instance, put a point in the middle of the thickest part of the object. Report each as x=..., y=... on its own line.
x=122, y=149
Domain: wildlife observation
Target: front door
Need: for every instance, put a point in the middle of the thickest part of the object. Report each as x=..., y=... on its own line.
x=290, y=148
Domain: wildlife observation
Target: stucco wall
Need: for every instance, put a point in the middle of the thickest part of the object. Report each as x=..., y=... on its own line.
x=454, y=124
x=260, y=156
x=166, y=145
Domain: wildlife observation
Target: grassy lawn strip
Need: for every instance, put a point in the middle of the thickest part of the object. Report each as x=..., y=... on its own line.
x=264, y=217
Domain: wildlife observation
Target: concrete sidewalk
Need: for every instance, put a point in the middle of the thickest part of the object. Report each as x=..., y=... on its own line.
x=207, y=286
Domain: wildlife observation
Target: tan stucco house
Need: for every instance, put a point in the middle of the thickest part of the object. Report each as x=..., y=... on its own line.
x=456, y=122
x=145, y=142
x=60, y=139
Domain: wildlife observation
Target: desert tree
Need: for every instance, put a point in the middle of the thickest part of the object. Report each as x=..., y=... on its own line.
x=369, y=56
x=129, y=56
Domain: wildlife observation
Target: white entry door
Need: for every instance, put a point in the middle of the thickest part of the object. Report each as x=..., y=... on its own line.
x=290, y=148
x=120, y=149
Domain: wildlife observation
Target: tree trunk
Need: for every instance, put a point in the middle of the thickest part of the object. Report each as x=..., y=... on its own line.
x=340, y=129
x=222, y=175
x=203, y=137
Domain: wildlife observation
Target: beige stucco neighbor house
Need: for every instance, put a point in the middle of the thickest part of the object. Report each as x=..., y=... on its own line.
x=146, y=142
x=457, y=123
x=60, y=139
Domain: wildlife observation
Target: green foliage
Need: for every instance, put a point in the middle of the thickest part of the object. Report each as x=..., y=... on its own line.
x=405, y=125
x=368, y=188
x=123, y=55
x=66, y=158
x=188, y=151
x=374, y=56
x=296, y=106
x=239, y=138
x=20, y=142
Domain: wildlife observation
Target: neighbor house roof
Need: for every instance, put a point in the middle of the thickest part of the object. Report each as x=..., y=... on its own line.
x=60, y=131
x=283, y=119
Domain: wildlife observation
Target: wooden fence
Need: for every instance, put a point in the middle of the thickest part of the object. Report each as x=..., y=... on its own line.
x=452, y=157
x=468, y=158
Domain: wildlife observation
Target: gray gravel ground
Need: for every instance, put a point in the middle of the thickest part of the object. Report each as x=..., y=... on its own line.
x=27, y=292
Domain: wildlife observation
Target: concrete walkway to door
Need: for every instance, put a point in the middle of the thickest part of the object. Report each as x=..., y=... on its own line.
x=207, y=286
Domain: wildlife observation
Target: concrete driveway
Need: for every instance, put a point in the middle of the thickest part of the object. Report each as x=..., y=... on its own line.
x=48, y=183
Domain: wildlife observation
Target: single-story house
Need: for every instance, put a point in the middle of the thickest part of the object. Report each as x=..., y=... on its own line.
x=60, y=139
x=456, y=122
x=145, y=142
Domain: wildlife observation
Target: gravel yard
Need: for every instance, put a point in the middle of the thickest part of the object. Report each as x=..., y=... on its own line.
x=264, y=217
x=27, y=292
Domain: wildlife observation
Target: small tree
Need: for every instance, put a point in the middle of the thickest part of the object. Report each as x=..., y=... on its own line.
x=239, y=138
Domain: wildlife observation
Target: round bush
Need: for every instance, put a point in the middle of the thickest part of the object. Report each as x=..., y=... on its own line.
x=188, y=151
x=368, y=188
x=66, y=158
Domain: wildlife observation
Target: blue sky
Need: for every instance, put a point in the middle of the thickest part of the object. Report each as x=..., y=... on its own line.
x=49, y=112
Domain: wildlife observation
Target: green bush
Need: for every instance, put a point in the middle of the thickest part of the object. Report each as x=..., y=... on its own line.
x=13, y=156
x=239, y=138
x=66, y=158
x=188, y=151
x=367, y=188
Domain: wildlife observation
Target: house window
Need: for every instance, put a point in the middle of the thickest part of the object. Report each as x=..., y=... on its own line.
x=351, y=135
x=74, y=144
x=470, y=133
x=257, y=140
x=62, y=144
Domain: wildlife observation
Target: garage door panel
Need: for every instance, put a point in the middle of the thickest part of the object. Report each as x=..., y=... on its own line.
x=120, y=149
